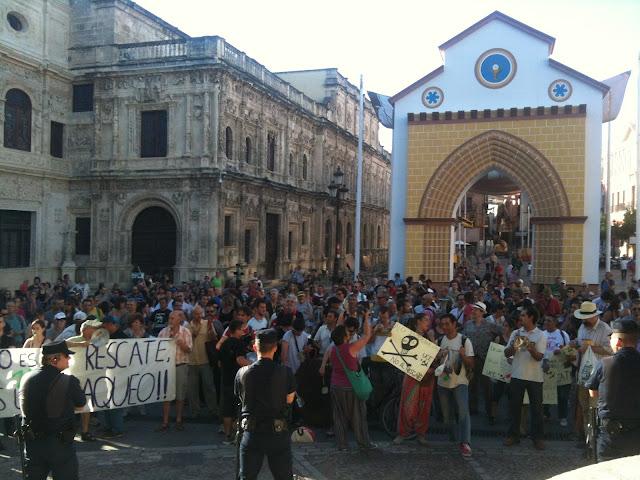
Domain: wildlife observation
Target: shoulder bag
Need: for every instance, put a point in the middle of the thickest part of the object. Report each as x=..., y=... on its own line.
x=358, y=379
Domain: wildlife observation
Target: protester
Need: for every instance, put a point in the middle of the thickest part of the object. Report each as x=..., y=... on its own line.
x=453, y=383
x=184, y=345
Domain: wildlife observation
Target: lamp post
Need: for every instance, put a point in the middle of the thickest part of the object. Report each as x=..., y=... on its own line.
x=337, y=185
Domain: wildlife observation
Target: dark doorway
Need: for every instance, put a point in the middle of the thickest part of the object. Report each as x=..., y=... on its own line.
x=153, y=243
x=271, y=244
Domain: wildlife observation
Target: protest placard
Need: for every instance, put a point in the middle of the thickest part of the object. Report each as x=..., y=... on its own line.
x=408, y=351
x=120, y=374
x=560, y=372
x=496, y=365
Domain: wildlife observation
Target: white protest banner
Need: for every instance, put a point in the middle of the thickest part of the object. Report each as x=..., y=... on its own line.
x=120, y=374
x=496, y=365
x=408, y=351
x=560, y=372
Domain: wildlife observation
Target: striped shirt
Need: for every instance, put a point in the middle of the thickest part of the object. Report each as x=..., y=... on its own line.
x=185, y=335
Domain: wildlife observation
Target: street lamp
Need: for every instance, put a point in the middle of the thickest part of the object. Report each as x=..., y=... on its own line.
x=337, y=185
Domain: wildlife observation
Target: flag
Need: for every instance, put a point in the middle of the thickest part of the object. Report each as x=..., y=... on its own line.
x=612, y=101
x=383, y=108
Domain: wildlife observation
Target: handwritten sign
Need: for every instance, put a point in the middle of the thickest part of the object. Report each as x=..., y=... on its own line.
x=120, y=374
x=408, y=351
x=557, y=369
x=496, y=365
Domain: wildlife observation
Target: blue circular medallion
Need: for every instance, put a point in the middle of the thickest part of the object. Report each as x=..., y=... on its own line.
x=560, y=90
x=495, y=68
x=432, y=97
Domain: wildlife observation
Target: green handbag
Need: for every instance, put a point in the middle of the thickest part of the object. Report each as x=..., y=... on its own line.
x=358, y=379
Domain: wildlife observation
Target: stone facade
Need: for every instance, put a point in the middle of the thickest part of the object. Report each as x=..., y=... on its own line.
x=243, y=143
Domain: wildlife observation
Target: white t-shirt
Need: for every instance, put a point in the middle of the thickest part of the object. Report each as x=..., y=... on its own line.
x=323, y=338
x=256, y=324
x=524, y=366
x=556, y=340
x=453, y=345
x=296, y=347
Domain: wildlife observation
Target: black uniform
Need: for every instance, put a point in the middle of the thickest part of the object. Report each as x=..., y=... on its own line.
x=263, y=388
x=48, y=401
x=617, y=379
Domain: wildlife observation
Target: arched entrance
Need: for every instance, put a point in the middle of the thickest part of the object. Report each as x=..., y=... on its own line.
x=490, y=151
x=154, y=242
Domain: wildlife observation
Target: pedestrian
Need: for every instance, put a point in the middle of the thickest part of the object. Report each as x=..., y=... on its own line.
x=624, y=264
x=556, y=340
x=453, y=383
x=527, y=346
x=200, y=373
x=294, y=345
x=184, y=344
x=348, y=409
x=266, y=391
x=416, y=397
x=48, y=399
x=616, y=385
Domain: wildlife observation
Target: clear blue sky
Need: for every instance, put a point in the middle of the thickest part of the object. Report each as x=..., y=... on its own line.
x=393, y=43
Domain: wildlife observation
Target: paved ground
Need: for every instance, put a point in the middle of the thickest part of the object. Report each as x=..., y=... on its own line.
x=197, y=452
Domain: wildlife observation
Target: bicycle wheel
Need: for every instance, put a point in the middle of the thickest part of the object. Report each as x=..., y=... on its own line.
x=389, y=417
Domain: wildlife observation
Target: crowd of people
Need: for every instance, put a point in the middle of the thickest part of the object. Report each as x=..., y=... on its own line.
x=328, y=332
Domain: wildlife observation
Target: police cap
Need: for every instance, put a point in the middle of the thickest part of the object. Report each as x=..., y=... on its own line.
x=56, y=347
x=267, y=336
x=625, y=326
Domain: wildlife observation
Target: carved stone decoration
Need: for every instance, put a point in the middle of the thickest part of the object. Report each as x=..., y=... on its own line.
x=195, y=214
x=103, y=216
x=103, y=255
x=57, y=215
x=177, y=197
x=193, y=256
x=105, y=84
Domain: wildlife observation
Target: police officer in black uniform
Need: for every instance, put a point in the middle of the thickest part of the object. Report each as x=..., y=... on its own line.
x=266, y=391
x=616, y=384
x=48, y=399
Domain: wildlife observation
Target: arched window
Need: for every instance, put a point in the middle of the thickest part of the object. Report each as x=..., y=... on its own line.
x=327, y=239
x=349, y=245
x=17, y=120
x=304, y=167
x=271, y=152
x=228, y=142
x=247, y=149
x=379, y=238
x=290, y=164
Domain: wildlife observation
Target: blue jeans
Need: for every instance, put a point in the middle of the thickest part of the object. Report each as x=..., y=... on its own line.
x=454, y=400
x=114, y=420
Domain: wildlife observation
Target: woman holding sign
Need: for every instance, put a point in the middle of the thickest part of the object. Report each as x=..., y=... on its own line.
x=415, y=400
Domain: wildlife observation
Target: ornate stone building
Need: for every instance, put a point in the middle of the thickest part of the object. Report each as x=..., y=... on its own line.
x=127, y=143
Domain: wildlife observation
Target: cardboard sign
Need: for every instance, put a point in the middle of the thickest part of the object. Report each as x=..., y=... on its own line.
x=408, y=351
x=496, y=365
x=562, y=375
x=122, y=373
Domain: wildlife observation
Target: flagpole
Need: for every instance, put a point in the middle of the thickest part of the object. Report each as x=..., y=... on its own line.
x=608, y=201
x=636, y=273
x=356, y=268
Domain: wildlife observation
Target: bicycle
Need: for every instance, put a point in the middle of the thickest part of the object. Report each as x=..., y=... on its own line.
x=391, y=408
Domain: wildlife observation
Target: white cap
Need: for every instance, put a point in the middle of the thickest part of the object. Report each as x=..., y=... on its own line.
x=80, y=316
x=60, y=316
x=480, y=306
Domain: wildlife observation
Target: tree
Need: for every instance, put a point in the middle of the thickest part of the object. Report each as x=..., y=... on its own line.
x=626, y=228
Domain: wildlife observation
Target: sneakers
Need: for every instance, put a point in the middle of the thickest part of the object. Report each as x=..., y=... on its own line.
x=398, y=440
x=228, y=441
x=87, y=437
x=563, y=422
x=423, y=441
x=112, y=434
x=510, y=441
x=465, y=449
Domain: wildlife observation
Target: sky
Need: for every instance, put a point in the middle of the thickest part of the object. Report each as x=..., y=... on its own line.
x=394, y=43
